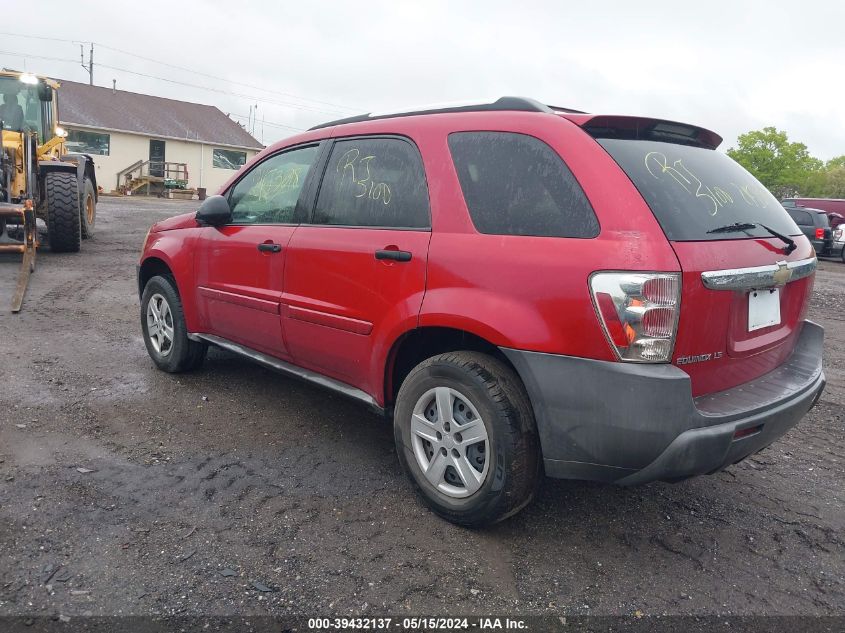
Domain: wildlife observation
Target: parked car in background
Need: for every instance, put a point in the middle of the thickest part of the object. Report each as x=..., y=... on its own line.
x=834, y=207
x=815, y=224
x=839, y=240
x=521, y=289
x=828, y=205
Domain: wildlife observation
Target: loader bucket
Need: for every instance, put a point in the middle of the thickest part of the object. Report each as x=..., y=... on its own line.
x=24, y=217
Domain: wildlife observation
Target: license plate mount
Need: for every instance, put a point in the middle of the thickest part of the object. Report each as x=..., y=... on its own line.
x=763, y=308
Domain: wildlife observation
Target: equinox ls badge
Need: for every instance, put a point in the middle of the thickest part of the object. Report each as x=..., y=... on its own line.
x=698, y=358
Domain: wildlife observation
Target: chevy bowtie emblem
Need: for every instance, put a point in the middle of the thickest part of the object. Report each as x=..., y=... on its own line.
x=783, y=274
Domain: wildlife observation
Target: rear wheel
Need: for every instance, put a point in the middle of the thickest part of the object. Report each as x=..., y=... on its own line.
x=87, y=208
x=465, y=434
x=164, y=329
x=64, y=231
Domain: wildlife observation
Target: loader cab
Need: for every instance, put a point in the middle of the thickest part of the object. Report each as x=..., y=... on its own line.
x=27, y=103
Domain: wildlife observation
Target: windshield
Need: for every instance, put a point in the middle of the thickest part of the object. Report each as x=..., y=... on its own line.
x=693, y=190
x=20, y=108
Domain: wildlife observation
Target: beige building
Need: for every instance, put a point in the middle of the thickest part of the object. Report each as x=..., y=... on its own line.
x=130, y=135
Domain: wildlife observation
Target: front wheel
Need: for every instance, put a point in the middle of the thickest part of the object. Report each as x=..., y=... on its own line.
x=64, y=230
x=466, y=437
x=164, y=328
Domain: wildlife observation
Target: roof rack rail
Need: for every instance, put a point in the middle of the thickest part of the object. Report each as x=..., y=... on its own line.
x=518, y=104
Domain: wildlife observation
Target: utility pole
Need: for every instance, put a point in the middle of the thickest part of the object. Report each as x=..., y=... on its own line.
x=252, y=119
x=90, y=66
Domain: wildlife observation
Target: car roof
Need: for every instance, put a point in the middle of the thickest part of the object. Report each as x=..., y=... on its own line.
x=513, y=104
x=798, y=207
x=599, y=126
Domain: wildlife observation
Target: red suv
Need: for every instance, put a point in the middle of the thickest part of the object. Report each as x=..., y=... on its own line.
x=521, y=288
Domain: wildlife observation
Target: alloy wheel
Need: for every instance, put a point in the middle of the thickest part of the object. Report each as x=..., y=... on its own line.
x=160, y=324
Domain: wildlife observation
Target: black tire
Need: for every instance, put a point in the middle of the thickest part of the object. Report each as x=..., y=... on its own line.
x=182, y=354
x=64, y=232
x=87, y=196
x=495, y=391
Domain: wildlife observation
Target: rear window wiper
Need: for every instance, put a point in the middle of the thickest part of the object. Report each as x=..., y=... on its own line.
x=745, y=226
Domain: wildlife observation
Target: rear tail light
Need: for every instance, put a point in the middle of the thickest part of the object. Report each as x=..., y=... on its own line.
x=639, y=313
x=819, y=234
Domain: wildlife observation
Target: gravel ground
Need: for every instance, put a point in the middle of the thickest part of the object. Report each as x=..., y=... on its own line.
x=124, y=490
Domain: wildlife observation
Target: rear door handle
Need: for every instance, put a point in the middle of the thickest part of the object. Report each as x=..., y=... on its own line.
x=269, y=247
x=399, y=256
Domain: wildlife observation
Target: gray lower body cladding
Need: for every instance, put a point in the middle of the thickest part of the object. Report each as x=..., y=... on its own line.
x=635, y=423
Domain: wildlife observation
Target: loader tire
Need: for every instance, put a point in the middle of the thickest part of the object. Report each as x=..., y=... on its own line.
x=64, y=230
x=87, y=208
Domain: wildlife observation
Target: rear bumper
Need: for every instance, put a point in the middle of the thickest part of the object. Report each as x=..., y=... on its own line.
x=828, y=248
x=632, y=424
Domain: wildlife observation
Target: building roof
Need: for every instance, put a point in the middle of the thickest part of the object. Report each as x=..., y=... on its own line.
x=121, y=111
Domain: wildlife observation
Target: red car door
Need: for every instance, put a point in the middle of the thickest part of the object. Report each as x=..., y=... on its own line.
x=355, y=276
x=240, y=266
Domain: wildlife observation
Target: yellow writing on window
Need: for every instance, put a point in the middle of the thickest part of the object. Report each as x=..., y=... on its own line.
x=276, y=181
x=715, y=196
x=357, y=169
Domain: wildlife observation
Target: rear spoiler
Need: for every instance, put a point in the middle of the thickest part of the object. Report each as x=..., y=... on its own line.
x=644, y=128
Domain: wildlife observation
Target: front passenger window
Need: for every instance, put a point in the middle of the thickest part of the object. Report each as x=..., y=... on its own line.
x=268, y=193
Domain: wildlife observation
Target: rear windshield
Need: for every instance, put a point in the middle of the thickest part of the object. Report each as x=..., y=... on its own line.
x=693, y=190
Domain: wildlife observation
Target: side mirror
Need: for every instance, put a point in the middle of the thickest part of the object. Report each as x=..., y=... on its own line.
x=45, y=92
x=214, y=211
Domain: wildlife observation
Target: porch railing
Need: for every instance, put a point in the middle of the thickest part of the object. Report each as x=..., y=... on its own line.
x=153, y=171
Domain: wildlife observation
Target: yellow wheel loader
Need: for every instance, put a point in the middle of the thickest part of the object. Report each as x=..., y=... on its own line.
x=39, y=178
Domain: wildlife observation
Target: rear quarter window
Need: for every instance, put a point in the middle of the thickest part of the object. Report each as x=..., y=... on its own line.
x=693, y=190
x=515, y=184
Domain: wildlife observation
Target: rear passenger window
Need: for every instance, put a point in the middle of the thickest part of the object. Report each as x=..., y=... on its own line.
x=515, y=184
x=374, y=182
x=800, y=217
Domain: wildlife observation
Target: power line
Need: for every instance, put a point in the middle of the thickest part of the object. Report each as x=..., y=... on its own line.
x=288, y=104
x=270, y=123
x=41, y=37
x=181, y=83
x=182, y=68
x=27, y=56
x=231, y=81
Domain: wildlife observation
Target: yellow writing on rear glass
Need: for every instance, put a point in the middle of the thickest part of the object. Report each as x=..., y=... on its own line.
x=715, y=196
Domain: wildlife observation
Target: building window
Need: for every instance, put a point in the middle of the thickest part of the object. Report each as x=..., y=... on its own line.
x=228, y=159
x=87, y=142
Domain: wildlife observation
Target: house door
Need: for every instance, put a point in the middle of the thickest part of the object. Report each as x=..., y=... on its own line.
x=157, y=158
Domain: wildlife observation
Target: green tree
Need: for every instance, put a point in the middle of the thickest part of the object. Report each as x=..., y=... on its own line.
x=785, y=168
x=837, y=161
x=834, y=182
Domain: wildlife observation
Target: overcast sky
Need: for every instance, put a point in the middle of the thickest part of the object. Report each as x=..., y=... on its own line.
x=728, y=66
